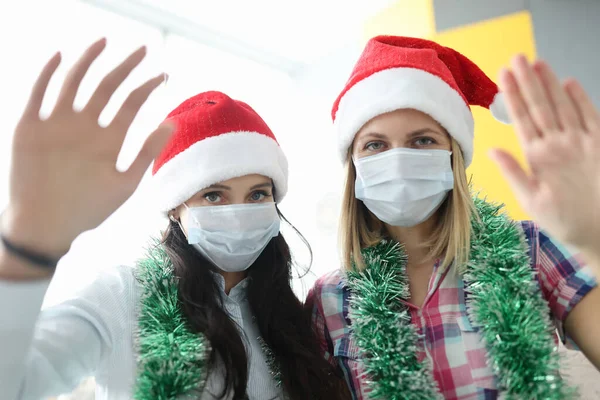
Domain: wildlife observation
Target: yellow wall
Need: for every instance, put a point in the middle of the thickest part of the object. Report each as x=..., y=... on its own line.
x=490, y=44
x=403, y=18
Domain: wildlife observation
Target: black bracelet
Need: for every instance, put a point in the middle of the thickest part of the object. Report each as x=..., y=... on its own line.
x=31, y=257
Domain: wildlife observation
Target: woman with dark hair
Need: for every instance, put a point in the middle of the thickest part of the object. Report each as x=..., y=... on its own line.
x=209, y=312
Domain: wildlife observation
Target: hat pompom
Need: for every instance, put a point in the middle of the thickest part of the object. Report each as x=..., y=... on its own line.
x=499, y=110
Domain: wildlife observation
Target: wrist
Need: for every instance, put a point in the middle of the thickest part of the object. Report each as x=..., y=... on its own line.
x=590, y=254
x=13, y=268
x=23, y=232
x=592, y=257
x=591, y=246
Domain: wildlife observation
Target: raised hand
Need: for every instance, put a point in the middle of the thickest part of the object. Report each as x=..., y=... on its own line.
x=559, y=129
x=63, y=177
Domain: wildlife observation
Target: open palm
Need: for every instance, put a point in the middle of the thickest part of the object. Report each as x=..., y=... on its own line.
x=63, y=177
x=559, y=129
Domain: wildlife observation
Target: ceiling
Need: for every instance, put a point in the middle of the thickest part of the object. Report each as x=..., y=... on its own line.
x=286, y=35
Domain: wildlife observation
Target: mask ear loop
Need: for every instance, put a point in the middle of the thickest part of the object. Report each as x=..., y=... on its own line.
x=178, y=221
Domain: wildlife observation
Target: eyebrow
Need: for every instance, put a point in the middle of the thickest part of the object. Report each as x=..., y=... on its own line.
x=224, y=187
x=217, y=186
x=374, y=135
x=262, y=186
x=422, y=131
x=410, y=135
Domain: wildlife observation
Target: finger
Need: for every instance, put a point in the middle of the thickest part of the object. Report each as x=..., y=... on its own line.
x=516, y=176
x=75, y=76
x=112, y=81
x=562, y=104
x=534, y=95
x=133, y=103
x=151, y=148
x=517, y=108
x=32, y=110
x=586, y=110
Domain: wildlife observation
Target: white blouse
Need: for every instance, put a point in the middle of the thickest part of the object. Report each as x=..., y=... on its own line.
x=47, y=353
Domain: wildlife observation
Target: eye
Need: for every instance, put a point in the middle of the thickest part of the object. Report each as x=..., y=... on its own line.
x=424, y=142
x=213, y=197
x=374, y=146
x=259, y=195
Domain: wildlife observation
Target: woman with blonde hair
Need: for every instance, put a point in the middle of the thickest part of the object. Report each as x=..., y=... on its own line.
x=441, y=295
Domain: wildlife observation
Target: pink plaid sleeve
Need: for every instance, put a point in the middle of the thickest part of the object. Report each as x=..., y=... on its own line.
x=314, y=305
x=329, y=301
x=563, y=277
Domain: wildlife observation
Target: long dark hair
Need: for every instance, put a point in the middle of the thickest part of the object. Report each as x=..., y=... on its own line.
x=281, y=319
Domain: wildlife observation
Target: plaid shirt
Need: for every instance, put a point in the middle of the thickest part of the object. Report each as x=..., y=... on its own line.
x=448, y=340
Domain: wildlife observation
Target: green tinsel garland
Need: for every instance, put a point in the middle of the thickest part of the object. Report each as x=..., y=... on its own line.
x=504, y=301
x=272, y=362
x=172, y=360
x=381, y=326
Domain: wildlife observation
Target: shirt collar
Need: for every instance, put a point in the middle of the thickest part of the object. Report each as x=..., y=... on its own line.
x=237, y=293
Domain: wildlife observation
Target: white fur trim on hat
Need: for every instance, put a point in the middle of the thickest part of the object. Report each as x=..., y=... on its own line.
x=399, y=88
x=217, y=159
x=499, y=110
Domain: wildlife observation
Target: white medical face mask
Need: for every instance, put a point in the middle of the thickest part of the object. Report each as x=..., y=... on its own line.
x=404, y=187
x=232, y=236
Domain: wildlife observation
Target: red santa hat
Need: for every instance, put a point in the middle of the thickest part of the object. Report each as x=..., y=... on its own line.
x=400, y=72
x=216, y=138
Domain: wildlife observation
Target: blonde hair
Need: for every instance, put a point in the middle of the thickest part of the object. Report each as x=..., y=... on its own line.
x=449, y=241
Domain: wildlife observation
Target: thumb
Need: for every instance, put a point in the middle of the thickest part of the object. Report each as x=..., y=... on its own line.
x=151, y=148
x=512, y=171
